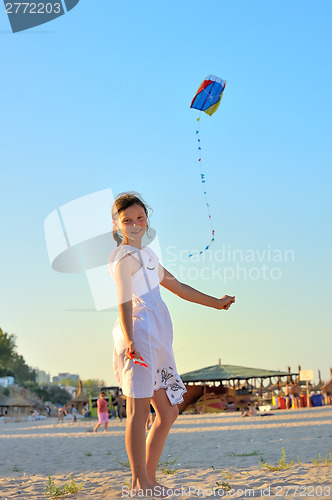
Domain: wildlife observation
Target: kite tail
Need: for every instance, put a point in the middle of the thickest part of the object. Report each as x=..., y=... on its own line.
x=199, y=149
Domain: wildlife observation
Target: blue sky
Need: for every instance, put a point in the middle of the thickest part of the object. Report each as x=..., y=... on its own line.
x=99, y=98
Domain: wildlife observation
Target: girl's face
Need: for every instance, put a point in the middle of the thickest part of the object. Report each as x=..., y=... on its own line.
x=132, y=224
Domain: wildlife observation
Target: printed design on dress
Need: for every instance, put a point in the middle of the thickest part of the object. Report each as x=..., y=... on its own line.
x=172, y=383
x=175, y=387
x=151, y=268
x=165, y=376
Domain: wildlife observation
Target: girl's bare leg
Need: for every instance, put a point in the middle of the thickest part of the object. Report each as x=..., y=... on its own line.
x=166, y=414
x=137, y=413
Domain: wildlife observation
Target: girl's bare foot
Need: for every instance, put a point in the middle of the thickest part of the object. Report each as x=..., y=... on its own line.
x=150, y=489
x=139, y=489
x=162, y=491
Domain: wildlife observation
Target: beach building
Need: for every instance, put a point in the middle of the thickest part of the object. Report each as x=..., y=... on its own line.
x=227, y=387
x=62, y=376
x=42, y=378
x=6, y=381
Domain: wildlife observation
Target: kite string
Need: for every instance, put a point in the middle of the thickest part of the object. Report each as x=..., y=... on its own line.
x=208, y=328
x=199, y=150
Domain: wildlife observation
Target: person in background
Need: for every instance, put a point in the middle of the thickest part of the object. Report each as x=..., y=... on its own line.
x=121, y=407
x=249, y=411
x=102, y=411
x=287, y=395
x=60, y=413
x=151, y=418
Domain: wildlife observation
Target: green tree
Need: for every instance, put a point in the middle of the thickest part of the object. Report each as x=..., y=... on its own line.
x=52, y=393
x=12, y=363
x=22, y=372
x=58, y=395
x=41, y=392
x=68, y=381
x=7, y=350
x=92, y=386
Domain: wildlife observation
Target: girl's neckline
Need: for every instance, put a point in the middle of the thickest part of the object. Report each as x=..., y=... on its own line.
x=131, y=246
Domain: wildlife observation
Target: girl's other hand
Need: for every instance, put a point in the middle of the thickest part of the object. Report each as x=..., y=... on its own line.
x=132, y=352
x=226, y=302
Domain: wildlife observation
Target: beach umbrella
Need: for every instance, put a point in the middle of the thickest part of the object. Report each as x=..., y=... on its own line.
x=318, y=387
x=327, y=388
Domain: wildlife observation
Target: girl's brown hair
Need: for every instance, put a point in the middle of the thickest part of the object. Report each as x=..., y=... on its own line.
x=123, y=201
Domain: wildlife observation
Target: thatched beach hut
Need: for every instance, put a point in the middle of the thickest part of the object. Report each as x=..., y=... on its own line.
x=81, y=399
x=18, y=407
x=3, y=405
x=35, y=402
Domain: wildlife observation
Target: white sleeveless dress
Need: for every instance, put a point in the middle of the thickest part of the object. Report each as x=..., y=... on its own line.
x=152, y=332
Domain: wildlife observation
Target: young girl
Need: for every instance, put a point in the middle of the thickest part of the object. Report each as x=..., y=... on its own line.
x=144, y=362
x=102, y=411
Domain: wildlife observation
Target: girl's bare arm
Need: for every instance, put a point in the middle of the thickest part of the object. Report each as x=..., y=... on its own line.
x=123, y=273
x=186, y=292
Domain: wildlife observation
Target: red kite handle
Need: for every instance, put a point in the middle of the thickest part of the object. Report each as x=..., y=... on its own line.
x=138, y=362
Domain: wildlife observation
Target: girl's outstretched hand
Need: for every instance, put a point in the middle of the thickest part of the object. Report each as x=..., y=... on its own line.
x=226, y=302
x=131, y=351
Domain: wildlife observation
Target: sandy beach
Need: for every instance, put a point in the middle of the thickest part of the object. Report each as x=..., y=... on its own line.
x=209, y=449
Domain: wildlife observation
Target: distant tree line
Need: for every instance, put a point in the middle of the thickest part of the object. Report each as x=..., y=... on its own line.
x=13, y=364
x=91, y=387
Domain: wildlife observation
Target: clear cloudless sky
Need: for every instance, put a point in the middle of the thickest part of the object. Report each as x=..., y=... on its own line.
x=99, y=98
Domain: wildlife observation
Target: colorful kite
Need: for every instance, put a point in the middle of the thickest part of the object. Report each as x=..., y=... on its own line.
x=207, y=99
x=209, y=94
